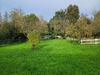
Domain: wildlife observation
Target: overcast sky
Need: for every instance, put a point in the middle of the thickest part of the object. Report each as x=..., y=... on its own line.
x=47, y=8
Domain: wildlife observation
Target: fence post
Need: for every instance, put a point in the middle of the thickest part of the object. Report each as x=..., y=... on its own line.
x=95, y=41
x=81, y=41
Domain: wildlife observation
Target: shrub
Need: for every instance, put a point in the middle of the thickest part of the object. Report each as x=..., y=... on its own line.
x=52, y=36
x=33, y=38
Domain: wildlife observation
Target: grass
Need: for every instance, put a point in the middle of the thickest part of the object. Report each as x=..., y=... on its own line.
x=50, y=57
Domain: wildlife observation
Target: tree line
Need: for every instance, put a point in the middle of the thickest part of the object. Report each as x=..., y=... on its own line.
x=67, y=23
x=17, y=23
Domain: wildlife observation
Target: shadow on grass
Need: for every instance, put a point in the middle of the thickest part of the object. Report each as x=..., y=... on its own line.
x=74, y=42
x=11, y=44
x=41, y=45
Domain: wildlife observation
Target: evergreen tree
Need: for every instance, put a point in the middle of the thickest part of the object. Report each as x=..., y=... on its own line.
x=72, y=14
x=60, y=15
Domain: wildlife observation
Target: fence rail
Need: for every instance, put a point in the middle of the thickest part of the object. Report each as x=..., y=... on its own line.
x=90, y=41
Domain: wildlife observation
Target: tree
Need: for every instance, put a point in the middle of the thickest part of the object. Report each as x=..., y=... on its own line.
x=72, y=14
x=42, y=26
x=96, y=15
x=80, y=30
x=32, y=18
x=16, y=23
x=16, y=16
x=12, y=31
x=4, y=26
x=60, y=15
x=0, y=19
x=95, y=26
x=57, y=27
x=33, y=38
x=6, y=17
x=30, y=23
x=41, y=19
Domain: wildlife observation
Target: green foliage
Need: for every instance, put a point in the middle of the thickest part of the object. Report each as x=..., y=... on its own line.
x=74, y=32
x=57, y=27
x=6, y=17
x=54, y=57
x=80, y=30
x=31, y=18
x=53, y=36
x=97, y=15
x=33, y=38
x=16, y=16
x=31, y=23
x=2, y=35
x=20, y=24
x=10, y=30
x=60, y=15
x=72, y=14
x=0, y=19
x=95, y=25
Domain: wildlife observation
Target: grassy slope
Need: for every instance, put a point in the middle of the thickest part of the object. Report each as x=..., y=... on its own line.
x=50, y=57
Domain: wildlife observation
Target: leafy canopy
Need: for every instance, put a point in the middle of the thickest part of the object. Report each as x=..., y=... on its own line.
x=72, y=14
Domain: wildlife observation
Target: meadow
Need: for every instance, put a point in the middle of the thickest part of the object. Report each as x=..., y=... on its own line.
x=50, y=57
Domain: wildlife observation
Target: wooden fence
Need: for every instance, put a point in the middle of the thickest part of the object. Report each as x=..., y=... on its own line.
x=90, y=41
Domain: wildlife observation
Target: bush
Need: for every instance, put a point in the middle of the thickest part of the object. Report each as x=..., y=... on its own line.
x=33, y=38
x=52, y=36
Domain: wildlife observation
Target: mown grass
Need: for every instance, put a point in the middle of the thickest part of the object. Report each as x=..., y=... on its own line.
x=50, y=57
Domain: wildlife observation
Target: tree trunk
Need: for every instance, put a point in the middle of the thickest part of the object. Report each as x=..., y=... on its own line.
x=33, y=47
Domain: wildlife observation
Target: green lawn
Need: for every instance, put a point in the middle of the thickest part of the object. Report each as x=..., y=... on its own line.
x=50, y=57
